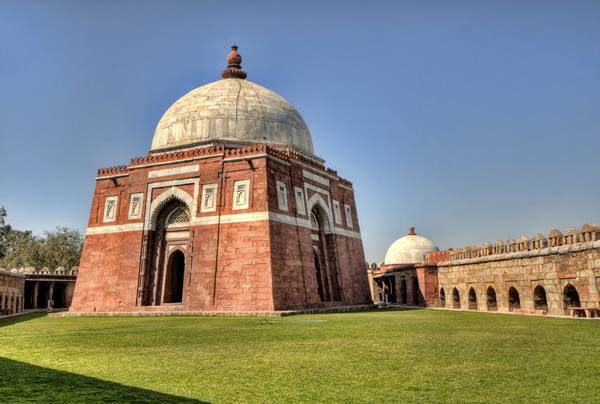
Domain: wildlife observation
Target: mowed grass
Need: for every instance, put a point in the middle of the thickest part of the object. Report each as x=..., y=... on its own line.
x=372, y=356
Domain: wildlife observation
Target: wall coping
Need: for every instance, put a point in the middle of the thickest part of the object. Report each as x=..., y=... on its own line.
x=563, y=249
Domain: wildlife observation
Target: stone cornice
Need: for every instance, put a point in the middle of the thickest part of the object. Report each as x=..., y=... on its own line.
x=563, y=249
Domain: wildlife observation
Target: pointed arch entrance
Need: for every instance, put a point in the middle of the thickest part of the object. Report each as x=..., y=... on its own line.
x=570, y=297
x=539, y=298
x=472, y=299
x=455, y=299
x=514, y=301
x=492, y=304
x=167, y=255
x=324, y=256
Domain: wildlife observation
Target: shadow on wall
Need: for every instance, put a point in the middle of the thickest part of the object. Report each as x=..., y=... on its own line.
x=29, y=383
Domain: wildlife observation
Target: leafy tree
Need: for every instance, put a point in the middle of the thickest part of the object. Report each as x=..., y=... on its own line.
x=54, y=249
x=21, y=249
x=61, y=248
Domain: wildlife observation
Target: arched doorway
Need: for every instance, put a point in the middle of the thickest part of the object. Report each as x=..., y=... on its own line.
x=319, y=275
x=570, y=297
x=455, y=299
x=539, y=298
x=29, y=293
x=42, y=296
x=403, y=291
x=442, y=298
x=326, y=271
x=167, y=249
x=492, y=304
x=58, y=295
x=472, y=299
x=174, y=278
x=514, y=302
x=389, y=284
x=415, y=292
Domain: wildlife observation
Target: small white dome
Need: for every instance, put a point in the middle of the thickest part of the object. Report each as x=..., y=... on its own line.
x=409, y=249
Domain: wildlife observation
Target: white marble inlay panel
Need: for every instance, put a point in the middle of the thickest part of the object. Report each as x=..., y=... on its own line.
x=174, y=171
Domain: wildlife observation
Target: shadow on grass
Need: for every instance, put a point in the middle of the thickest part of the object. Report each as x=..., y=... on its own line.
x=22, y=382
x=5, y=322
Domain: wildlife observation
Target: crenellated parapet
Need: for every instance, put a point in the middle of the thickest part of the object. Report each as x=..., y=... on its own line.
x=437, y=256
x=43, y=271
x=179, y=155
x=588, y=235
x=219, y=150
x=112, y=171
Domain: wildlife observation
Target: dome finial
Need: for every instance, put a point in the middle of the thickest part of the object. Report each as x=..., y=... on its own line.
x=412, y=231
x=234, y=66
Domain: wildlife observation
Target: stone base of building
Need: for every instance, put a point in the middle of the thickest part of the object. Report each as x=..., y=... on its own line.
x=216, y=313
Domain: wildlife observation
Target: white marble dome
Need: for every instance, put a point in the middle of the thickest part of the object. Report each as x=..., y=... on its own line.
x=409, y=249
x=232, y=111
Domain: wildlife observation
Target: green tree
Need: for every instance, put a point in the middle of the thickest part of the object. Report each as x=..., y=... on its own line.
x=21, y=249
x=60, y=248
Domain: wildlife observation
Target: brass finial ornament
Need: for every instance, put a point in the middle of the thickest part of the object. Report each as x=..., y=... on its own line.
x=412, y=231
x=234, y=66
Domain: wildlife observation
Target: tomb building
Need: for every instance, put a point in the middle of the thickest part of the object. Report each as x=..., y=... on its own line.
x=403, y=277
x=230, y=210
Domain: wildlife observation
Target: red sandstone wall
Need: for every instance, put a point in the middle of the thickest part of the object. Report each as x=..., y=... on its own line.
x=428, y=283
x=294, y=276
x=253, y=265
x=107, y=278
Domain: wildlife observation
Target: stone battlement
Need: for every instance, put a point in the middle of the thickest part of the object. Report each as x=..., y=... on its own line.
x=563, y=249
x=42, y=271
x=525, y=247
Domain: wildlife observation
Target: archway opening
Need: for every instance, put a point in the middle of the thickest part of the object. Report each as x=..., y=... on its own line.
x=58, y=295
x=403, y=291
x=326, y=256
x=539, y=298
x=492, y=304
x=319, y=276
x=571, y=297
x=162, y=279
x=472, y=299
x=514, y=302
x=29, y=293
x=442, y=298
x=389, y=284
x=415, y=292
x=455, y=299
x=174, y=278
x=42, y=296
x=17, y=306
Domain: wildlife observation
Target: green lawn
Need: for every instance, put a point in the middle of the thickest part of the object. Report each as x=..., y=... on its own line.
x=374, y=356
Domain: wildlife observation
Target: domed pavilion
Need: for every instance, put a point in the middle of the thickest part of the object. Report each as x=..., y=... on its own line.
x=409, y=249
x=230, y=210
x=405, y=277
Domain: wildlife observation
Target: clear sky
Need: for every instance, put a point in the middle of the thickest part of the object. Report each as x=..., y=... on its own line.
x=471, y=120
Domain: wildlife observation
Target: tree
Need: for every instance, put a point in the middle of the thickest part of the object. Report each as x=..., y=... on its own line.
x=60, y=248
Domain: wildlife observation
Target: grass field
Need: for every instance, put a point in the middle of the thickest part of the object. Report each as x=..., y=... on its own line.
x=373, y=356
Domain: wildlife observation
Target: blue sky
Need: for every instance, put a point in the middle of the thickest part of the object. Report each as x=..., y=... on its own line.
x=471, y=120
